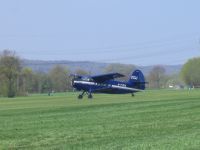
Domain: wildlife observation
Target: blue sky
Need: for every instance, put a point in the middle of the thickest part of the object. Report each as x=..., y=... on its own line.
x=125, y=31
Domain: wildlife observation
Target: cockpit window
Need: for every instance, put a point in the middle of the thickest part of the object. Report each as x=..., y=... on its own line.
x=87, y=79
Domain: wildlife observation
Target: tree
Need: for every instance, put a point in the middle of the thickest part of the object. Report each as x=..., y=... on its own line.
x=25, y=81
x=3, y=86
x=41, y=82
x=81, y=72
x=10, y=67
x=46, y=84
x=190, y=72
x=60, y=78
x=156, y=77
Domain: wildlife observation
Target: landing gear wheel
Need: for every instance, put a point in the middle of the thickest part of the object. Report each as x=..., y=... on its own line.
x=90, y=96
x=80, y=96
x=132, y=95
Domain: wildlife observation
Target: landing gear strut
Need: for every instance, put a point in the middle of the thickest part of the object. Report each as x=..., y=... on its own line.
x=89, y=96
x=80, y=96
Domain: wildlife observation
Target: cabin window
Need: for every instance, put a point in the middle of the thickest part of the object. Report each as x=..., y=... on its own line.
x=87, y=79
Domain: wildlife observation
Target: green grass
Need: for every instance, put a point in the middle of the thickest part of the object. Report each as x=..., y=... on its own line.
x=152, y=120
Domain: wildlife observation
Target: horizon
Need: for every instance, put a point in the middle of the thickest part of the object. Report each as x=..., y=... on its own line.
x=86, y=61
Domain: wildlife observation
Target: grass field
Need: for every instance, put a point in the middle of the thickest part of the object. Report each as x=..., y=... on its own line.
x=152, y=120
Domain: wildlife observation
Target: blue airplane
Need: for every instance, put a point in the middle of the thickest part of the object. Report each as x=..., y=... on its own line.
x=105, y=83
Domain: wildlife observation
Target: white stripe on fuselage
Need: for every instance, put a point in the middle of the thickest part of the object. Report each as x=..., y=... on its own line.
x=86, y=82
x=114, y=86
x=125, y=88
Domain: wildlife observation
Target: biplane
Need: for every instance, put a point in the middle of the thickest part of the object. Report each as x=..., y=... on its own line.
x=106, y=83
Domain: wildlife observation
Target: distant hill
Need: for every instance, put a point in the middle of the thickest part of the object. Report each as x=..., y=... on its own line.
x=93, y=67
x=45, y=66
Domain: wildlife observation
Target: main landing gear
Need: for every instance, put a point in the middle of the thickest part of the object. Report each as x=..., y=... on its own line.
x=132, y=94
x=80, y=96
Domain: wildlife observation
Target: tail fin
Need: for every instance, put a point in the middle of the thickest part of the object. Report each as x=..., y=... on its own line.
x=137, y=80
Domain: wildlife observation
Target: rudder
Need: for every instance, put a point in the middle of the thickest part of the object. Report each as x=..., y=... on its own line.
x=137, y=80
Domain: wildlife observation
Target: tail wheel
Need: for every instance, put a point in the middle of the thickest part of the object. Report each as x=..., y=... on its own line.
x=132, y=95
x=90, y=96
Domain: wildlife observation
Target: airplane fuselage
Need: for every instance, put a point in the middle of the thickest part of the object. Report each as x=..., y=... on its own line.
x=106, y=83
x=111, y=87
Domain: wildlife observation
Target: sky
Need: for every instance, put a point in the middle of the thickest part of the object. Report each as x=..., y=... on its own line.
x=140, y=32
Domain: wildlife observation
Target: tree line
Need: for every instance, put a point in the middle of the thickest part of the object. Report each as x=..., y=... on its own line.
x=16, y=79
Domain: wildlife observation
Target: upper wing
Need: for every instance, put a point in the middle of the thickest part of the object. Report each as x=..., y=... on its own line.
x=105, y=77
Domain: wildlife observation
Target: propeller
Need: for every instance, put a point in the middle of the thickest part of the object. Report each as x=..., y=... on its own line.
x=74, y=77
